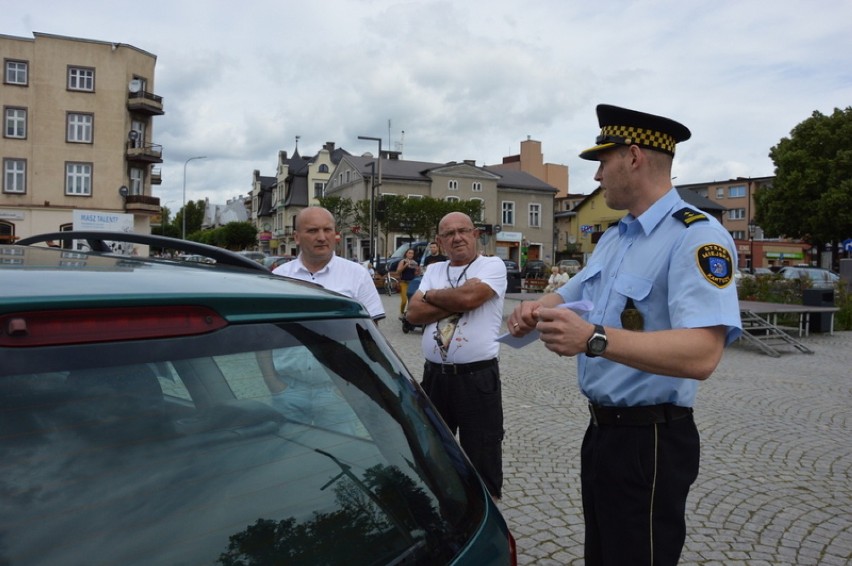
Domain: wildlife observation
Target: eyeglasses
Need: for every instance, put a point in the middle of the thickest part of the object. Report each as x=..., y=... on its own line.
x=460, y=232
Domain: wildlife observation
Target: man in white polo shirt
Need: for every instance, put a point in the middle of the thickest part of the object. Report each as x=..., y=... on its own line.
x=315, y=235
x=301, y=386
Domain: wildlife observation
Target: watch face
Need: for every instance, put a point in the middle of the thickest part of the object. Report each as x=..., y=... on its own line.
x=597, y=345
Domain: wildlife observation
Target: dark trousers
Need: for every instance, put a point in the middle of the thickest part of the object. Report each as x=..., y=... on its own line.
x=472, y=405
x=635, y=481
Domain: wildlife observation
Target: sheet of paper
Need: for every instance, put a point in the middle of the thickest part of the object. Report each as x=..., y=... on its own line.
x=578, y=307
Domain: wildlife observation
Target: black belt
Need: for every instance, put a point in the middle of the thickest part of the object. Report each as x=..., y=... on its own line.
x=459, y=369
x=638, y=416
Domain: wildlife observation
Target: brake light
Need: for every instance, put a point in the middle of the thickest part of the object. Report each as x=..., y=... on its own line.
x=80, y=326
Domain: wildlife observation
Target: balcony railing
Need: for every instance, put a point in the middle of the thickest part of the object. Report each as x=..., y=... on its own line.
x=145, y=103
x=142, y=204
x=156, y=176
x=144, y=152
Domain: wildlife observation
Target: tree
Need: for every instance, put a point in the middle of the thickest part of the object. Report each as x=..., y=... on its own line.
x=239, y=235
x=811, y=197
x=194, y=217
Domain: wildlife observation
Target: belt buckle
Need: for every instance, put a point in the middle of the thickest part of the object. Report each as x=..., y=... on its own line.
x=444, y=367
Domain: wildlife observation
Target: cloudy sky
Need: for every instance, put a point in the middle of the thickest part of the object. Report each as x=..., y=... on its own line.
x=464, y=79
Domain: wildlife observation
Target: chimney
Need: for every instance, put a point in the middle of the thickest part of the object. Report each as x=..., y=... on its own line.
x=329, y=146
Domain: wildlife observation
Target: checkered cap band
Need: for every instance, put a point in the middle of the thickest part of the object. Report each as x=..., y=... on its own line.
x=630, y=135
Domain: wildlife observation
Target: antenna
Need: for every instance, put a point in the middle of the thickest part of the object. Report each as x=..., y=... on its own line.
x=390, y=141
x=297, y=143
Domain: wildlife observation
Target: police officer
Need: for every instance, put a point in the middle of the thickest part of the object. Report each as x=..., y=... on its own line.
x=664, y=306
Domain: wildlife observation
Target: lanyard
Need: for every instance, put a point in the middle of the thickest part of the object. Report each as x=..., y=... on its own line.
x=464, y=271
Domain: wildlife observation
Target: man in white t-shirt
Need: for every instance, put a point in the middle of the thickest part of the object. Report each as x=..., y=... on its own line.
x=301, y=387
x=461, y=303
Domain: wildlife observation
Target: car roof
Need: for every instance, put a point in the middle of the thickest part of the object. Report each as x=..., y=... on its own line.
x=40, y=278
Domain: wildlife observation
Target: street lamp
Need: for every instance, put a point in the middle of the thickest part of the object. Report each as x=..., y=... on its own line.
x=752, y=226
x=374, y=244
x=183, y=214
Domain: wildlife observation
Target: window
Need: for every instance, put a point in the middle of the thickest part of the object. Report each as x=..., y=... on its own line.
x=137, y=179
x=737, y=191
x=720, y=192
x=348, y=175
x=535, y=215
x=323, y=168
x=15, y=123
x=78, y=179
x=15, y=176
x=81, y=78
x=736, y=214
x=508, y=216
x=738, y=234
x=16, y=73
x=319, y=188
x=453, y=185
x=79, y=128
x=476, y=187
x=415, y=197
x=453, y=199
x=480, y=216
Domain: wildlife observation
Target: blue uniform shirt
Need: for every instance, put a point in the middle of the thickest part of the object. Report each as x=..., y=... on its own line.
x=678, y=267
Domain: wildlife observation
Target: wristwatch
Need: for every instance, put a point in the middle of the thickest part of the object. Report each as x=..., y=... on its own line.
x=596, y=345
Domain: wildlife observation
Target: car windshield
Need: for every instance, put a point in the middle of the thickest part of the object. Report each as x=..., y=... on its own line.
x=208, y=449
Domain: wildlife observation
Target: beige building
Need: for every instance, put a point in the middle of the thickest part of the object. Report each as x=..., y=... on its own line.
x=531, y=160
x=517, y=207
x=77, y=133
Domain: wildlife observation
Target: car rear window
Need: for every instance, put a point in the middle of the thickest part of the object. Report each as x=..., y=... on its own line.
x=261, y=443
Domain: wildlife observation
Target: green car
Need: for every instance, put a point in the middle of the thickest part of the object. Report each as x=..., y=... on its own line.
x=155, y=411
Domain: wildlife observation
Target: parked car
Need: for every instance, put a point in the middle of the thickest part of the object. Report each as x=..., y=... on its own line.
x=513, y=277
x=256, y=256
x=819, y=278
x=144, y=422
x=272, y=261
x=535, y=269
x=572, y=266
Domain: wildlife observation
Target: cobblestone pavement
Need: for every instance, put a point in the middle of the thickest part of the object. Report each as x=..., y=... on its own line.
x=775, y=485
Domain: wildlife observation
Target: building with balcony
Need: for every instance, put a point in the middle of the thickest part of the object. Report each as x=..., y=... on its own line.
x=298, y=183
x=77, y=133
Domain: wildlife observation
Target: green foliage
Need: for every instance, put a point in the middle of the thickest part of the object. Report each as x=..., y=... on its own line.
x=811, y=196
x=232, y=236
x=194, y=217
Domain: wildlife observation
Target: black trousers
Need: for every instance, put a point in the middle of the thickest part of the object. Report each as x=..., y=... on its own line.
x=472, y=405
x=635, y=482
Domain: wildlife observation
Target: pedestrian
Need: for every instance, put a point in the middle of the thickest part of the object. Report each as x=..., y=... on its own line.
x=300, y=384
x=434, y=256
x=663, y=307
x=461, y=303
x=406, y=271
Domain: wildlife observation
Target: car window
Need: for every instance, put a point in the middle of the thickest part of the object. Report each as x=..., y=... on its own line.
x=121, y=443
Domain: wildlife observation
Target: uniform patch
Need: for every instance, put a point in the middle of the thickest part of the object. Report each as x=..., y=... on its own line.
x=715, y=264
x=688, y=216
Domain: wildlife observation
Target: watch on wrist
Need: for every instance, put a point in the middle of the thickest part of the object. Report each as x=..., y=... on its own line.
x=596, y=345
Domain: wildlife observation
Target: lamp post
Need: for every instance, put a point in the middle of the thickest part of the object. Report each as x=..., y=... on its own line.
x=183, y=214
x=752, y=226
x=374, y=243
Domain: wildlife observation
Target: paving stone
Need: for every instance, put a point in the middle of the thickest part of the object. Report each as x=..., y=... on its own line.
x=775, y=485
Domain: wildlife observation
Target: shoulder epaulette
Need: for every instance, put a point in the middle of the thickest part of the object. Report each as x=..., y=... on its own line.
x=688, y=216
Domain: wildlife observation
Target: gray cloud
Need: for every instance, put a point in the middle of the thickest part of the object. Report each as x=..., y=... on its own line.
x=466, y=80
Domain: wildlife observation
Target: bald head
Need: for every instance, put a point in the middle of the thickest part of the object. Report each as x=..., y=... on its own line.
x=314, y=214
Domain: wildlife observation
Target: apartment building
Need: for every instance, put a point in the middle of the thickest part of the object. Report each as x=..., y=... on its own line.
x=77, y=144
x=517, y=206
